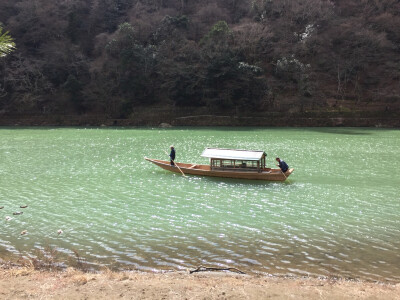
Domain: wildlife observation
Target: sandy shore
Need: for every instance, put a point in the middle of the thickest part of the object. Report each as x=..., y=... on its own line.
x=26, y=283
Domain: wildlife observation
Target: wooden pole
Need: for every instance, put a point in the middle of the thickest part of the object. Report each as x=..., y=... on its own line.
x=176, y=165
x=282, y=172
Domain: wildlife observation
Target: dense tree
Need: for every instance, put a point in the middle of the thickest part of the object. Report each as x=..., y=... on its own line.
x=111, y=56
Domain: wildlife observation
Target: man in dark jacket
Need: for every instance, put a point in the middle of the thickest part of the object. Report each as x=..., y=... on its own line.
x=284, y=167
x=172, y=155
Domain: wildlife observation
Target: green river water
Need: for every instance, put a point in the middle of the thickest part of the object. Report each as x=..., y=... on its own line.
x=337, y=215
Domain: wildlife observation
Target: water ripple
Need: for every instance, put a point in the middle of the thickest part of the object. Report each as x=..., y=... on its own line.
x=117, y=210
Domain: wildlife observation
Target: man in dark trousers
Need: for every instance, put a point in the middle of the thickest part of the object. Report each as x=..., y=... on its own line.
x=172, y=155
x=284, y=167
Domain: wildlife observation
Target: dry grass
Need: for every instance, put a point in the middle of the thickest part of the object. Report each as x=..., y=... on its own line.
x=79, y=262
x=18, y=283
x=24, y=271
x=77, y=277
x=47, y=258
x=119, y=276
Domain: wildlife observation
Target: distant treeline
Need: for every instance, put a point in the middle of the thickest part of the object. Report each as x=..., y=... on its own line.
x=110, y=56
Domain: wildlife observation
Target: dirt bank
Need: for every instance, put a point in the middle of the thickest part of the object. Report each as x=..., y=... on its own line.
x=26, y=283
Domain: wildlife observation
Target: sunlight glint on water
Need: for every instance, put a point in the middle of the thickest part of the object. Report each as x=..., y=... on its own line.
x=336, y=216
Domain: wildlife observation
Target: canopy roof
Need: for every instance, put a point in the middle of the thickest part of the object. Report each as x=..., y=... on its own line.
x=232, y=154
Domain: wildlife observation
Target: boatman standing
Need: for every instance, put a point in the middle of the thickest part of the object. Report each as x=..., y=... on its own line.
x=284, y=167
x=172, y=155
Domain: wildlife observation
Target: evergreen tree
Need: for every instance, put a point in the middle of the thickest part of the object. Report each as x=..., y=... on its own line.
x=7, y=44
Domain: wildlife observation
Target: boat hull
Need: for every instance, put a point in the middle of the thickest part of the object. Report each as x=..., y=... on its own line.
x=205, y=170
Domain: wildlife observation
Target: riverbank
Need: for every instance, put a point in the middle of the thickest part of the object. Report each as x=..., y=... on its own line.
x=204, y=120
x=373, y=115
x=19, y=283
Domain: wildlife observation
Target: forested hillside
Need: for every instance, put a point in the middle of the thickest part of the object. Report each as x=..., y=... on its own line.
x=238, y=57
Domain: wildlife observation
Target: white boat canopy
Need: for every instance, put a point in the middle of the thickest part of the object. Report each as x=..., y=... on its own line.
x=233, y=154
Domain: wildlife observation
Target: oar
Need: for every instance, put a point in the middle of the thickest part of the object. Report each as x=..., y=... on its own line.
x=284, y=175
x=282, y=172
x=176, y=165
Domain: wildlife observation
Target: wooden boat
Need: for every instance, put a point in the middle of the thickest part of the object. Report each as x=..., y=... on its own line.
x=229, y=163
